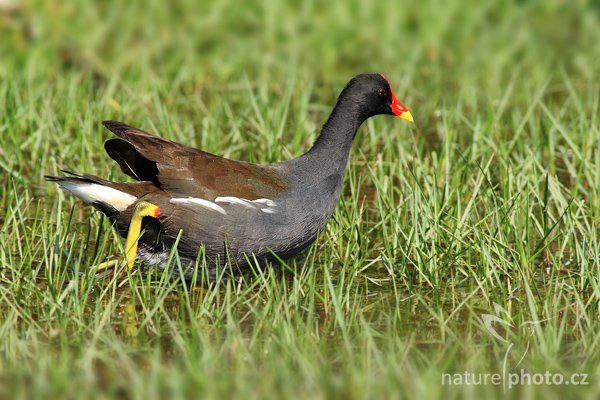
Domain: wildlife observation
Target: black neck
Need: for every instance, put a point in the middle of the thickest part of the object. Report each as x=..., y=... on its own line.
x=332, y=147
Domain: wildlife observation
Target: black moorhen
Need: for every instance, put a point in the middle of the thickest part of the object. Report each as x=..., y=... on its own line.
x=236, y=210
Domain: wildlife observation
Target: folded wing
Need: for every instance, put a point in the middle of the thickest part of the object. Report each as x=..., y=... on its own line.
x=183, y=171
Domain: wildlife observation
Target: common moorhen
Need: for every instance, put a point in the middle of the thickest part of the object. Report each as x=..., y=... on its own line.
x=236, y=211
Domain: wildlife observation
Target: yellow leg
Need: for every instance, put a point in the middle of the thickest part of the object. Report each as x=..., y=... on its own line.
x=142, y=209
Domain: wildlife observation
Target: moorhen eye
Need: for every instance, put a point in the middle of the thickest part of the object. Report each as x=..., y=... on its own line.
x=381, y=92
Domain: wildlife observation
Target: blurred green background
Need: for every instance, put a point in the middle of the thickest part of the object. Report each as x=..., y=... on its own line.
x=460, y=56
x=422, y=44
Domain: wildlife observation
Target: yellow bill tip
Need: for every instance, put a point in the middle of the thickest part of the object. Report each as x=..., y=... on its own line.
x=406, y=115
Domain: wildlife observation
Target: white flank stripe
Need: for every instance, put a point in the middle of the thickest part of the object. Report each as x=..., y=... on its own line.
x=200, y=202
x=268, y=202
x=92, y=192
x=265, y=205
x=235, y=200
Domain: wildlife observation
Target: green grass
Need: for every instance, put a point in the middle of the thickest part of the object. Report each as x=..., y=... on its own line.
x=491, y=197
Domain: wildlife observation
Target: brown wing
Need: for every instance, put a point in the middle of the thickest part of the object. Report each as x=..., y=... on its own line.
x=184, y=171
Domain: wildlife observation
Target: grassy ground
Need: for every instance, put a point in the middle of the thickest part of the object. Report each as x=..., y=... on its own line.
x=491, y=199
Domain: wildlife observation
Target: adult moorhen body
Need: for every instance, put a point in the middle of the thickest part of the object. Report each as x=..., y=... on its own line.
x=235, y=210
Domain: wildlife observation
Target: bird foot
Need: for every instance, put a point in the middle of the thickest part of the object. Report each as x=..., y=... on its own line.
x=108, y=268
x=106, y=265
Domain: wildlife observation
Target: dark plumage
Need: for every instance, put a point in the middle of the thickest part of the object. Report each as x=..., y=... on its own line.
x=234, y=209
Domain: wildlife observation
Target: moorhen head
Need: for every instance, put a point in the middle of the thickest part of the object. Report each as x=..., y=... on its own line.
x=373, y=94
x=232, y=212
